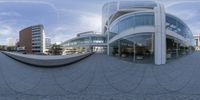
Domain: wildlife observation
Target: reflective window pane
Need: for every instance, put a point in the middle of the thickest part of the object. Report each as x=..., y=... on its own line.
x=132, y=21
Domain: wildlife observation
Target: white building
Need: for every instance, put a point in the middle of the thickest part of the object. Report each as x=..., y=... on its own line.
x=197, y=42
x=140, y=31
x=85, y=42
x=47, y=43
x=10, y=42
x=38, y=39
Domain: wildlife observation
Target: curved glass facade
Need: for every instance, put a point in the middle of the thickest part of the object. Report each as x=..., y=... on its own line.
x=108, y=10
x=112, y=8
x=140, y=28
x=84, y=40
x=176, y=47
x=176, y=25
x=131, y=21
x=126, y=16
x=85, y=43
x=135, y=48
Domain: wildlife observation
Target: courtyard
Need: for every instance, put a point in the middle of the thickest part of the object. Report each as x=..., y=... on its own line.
x=101, y=77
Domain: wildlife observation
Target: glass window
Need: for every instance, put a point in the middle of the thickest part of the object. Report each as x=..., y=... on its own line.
x=144, y=19
x=114, y=29
x=172, y=24
x=135, y=48
x=125, y=24
x=196, y=42
x=97, y=40
x=139, y=19
x=181, y=29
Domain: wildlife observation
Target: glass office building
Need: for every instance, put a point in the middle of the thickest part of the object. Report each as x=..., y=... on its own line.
x=85, y=42
x=139, y=31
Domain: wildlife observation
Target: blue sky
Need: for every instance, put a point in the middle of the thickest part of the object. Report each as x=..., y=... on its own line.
x=62, y=19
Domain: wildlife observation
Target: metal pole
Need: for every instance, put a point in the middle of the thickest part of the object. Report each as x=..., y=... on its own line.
x=134, y=51
x=177, y=49
x=119, y=47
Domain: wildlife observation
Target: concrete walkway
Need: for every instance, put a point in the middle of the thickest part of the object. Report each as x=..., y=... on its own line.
x=100, y=77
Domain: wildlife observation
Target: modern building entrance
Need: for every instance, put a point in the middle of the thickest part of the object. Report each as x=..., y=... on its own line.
x=135, y=48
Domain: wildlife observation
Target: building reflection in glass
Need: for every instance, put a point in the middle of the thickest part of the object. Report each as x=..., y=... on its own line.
x=135, y=48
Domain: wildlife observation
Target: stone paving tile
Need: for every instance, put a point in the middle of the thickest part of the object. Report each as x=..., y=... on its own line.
x=100, y=77
x=149, y=85
x=46, y=86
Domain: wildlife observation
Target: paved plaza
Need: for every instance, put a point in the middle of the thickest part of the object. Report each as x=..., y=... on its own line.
x=101, y=77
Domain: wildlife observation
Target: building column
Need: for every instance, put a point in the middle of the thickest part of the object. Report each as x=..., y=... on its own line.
x=108, y=45
x=160, y=35
x=108, y=49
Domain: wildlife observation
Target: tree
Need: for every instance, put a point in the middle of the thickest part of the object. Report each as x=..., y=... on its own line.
x=11, y=48
x=56, y=49
x=2, y=47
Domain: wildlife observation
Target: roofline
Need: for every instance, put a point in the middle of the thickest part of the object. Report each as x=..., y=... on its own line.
x=31, y=27
x=77, y=37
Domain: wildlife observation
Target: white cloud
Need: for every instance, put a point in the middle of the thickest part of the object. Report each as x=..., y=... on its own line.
x=90, y=22
x=10, y=26
x=188, y=15
x=171, y=3
x=60, y=29
x=15, y=14
x=61, y=34
x=85, y=21
x=9, y=41
x=61, y=37
x=195, y=28
x=182, y=14
x=5, y=30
